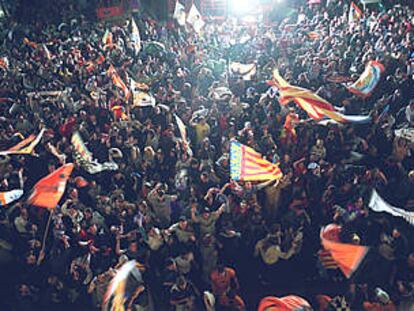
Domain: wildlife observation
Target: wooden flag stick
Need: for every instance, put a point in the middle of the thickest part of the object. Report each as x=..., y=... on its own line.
x=42, y=250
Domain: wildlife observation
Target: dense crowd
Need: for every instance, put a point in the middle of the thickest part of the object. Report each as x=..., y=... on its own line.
x=197, y=236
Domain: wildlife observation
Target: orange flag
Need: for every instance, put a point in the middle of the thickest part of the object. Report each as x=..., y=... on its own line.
x=116, y=79
x=347, y=256
x=49, y=190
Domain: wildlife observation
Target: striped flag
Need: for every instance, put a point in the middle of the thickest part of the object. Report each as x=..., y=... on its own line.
x=117, y=81
x=368, y=80
x=315, y=106
x=347, y=256
x=8, y=197
x=355, y=13
x=287, y=303
x=248, y=165
x=135, y=37
x=26, y=146
x=49, y=190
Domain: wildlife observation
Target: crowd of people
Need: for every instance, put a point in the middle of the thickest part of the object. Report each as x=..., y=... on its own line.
x=202, y=241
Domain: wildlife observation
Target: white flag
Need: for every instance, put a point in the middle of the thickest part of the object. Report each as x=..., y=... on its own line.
x=10, y=196
x=179, y=13
x=194, y=19
x=135, y=37
x=378, y=204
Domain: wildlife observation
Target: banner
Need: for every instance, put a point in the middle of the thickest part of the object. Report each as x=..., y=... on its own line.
x=135, y=37
x=49, y=190
x=4, y=63
x=248, y=165
x=194, y=19
x=247, y=71
x=85, y=159
x=26, y=146
x=142, y=99
x=347, y=256
x=137, y=86
x=377, y=204
x=8, y=197
x=315, y=106
x=287, y=303
x=368, y=80
x=179, y=13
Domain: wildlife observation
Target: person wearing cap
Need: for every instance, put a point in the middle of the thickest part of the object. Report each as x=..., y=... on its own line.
x=161, y=205
x=207, y=219
x=202, y=129
x=182, y=231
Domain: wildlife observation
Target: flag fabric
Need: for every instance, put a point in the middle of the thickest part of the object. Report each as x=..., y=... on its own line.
x=179, y=13
x=4, y=63
x=127, y=278
x=183, y=133
x=117, y=81
x=355, y=13
x=378, y=204
x=194, y=19
x=313, y=35
x=8, y=197
x=368, y=80
x=135, y=37
x=84, y=157
x=405, y=133
x=32, y=44
x=47, y=52
x=137, y=86
x=347, y=256
x=287, y=303
x=315, y=106
x=91, y=65
x=49, y=190
x=142, y=99
x=26, y=146
x=248, y=165
x=247, y=71
x=107, y=40
x=221, y=93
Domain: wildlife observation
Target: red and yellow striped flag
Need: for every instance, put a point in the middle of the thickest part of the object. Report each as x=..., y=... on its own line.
x=26, y=146
x=248, y=165
x=116, y=79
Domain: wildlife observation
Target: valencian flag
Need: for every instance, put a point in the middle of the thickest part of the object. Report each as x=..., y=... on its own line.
x=315, y=106
x=287, y=303
x=347, y=256
x=8, y=197
x=26, y=146
x=355, y=13
x=49, y=190
x=116, y=79
x=248, y=165
x=368, y=80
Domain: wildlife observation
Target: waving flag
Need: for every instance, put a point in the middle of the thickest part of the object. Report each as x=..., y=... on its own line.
x=49, y=190
x=107, y=40
x=316, y=107
x=368, y=80
x=84, y=157
x=248, y=165
x=142, y=99
x=247, y=71
x=183, y=133
x=91, y=65
x=32, y=44
x=137, y=86
x=355, y=13
x=378, y=204
x=4, y=63
x=179, y=13
x=135, y=37
x=194, y=19
x=347, y=256
x=10, y=196
x=287, y=303
x=117, y=81
x=26, y=146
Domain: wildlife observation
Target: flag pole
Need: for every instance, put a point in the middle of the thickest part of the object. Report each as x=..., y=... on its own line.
x=39, y=259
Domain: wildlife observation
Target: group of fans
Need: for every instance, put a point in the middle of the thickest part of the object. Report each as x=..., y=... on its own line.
x=200, y=240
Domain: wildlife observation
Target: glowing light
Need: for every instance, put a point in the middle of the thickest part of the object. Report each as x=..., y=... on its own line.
x=241, y=7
